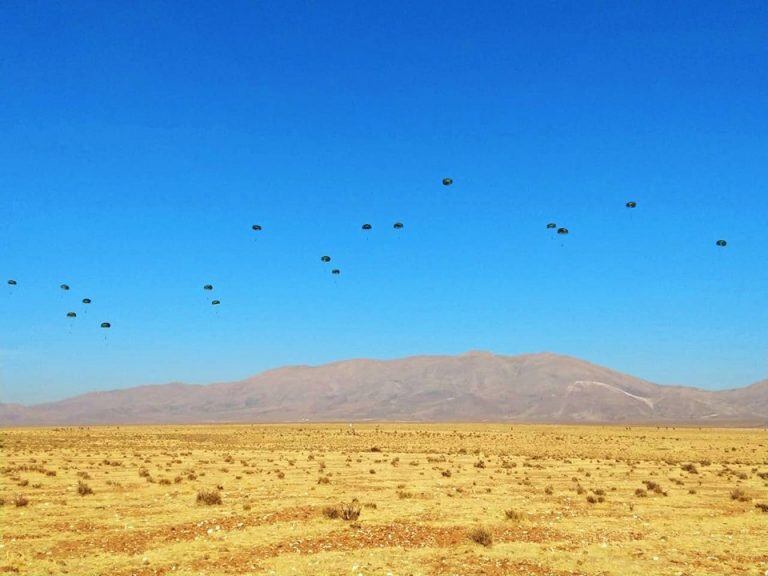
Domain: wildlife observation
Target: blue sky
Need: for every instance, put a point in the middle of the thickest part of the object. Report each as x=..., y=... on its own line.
x=140, y=141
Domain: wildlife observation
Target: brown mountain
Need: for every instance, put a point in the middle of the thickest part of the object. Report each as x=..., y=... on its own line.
x=477, y=386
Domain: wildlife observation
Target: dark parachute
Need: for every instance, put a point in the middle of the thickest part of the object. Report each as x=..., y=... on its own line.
x=106, y=325
x=397, y=226
x=631, y=204
x=562, y=230
x=64, y=287
x=447, y=181
x=86, y=300
x=367, y=226
x=11, y=282
x=325, y=258
x=551, y=226
x=71, y=315
x=335, y=271
x=208, y=287
x=256, y=227
x=721, y=243
x=215, y=302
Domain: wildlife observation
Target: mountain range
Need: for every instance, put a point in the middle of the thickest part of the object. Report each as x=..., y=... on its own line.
x=476, y=386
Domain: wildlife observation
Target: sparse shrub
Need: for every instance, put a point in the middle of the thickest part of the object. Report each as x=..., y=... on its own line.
x=446, y=473
x=143, y=472
x=512, y=514
x=739, y=495
x=20, y=500
x=208, y=497
x=24, y=482
x=83, y=489
x=690, y=468
x=164, y=482
x=481, y=536
x=84, y=475
x=592, y=499
x=281, y=474
x=402, y=494
x=375, y=449
x=479, y=464
x=762, y=506
x=345, y=511
x=372, y=471
x=331, y=512
x=350, y=511
x=691, y=491
x=549, y=490
x=323, y=480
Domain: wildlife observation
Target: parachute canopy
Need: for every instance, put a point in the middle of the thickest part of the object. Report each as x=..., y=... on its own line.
x=86, y=300
x=325, y=258
x=106, y=325
x=631, y=204
x=215, y=302
x=256, y=227
x=336, y=271
x=64, y=286
x=721, y=243
x=447, y=181
x=12, y=282
x=71, y=315
x=551, y=226
x=562, y=230
x=208, y=287
x=367, y=226
x=397, y=226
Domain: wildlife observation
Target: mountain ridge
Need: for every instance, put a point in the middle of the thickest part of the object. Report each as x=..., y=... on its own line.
x=474, y=386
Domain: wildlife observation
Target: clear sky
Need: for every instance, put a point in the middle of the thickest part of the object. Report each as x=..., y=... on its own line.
x=139, y=141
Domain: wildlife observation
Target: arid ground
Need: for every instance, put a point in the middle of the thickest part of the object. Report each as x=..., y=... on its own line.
x=384, y=499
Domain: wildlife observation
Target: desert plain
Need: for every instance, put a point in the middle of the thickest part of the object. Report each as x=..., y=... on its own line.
x=390, y=499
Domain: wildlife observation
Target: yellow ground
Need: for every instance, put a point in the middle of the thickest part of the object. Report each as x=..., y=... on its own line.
x=422, y=490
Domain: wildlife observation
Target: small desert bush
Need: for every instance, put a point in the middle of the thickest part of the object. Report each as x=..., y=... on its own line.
x=762, y=506
x=481, y=536
x=19, y=501
x=690, y=468
x=331, y=512
x=739, y=495
x=323, y=480
x=549, y=490
x=83, y=489
x=208, y=497
x=345, y=511
x=512, y=514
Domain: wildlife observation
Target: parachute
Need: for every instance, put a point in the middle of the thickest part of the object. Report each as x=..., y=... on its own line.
x=215, y=302
x=447, y=181
x=106, y=325
x=721, y=243
x=335, y=271
x=11, y=282
x=562, y=230
x=551, y=226
x=397, y=226
x=64, y=287
x=86, y=300
x=208, y=287
x=631, y=204
x=367, y=226
x=325, y=258
x=71, y=315
x=256, y=227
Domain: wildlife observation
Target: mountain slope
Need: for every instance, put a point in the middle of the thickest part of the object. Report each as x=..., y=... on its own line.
x=477, y=386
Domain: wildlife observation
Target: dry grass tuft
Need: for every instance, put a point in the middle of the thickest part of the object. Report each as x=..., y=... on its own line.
x=481, y=536
x=208, y=497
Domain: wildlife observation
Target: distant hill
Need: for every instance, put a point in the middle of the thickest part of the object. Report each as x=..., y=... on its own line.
x=476, y=386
